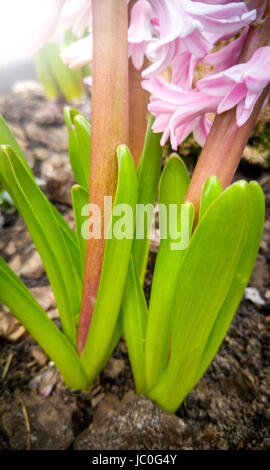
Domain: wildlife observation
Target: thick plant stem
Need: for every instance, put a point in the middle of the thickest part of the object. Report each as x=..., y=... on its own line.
x=226, y=141
x=109, y=129
x=138, y=101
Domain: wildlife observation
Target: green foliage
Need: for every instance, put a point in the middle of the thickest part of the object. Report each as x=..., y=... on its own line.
x=114, y=272
x=56, y=78
x=196, y=291
x=79, y=200
x=79, y=131
x=148, y=178
x=37, y=214
x=62, y=253
x=134, y=315
x=198, y=281
x=23, y=305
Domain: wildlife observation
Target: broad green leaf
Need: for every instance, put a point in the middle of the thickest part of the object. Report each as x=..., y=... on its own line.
x=203, y=284
x=66, y=80
x=27, y=310
x=211, y=190
x=134, y=315
x=239, y=282
x=79, y=200
x=69, y=114
x=118, y=330
x=7, y=138
x=70, y=239
x=83, y=132
x=79, y=145
x=161, y=308
x=173, y=187
x=114, y=272
x=48, y=238
x=45, y=74
x=148, y=178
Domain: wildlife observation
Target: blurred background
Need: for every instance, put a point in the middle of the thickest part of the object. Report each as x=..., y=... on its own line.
x=16, y=62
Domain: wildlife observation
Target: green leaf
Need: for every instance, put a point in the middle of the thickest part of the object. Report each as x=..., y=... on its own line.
x=66, y=80
x=211, y=190
x=79, y=145
x=203, y=284
x=27, y=310
x=79, y=200
x=114, y=272
x=148, y=178
x=173, y=186
x=45, y=74
x=172, y=190
x=239, y=282
x=70, y=239
x=7, y=138
x=134, y=314
x=45, y=232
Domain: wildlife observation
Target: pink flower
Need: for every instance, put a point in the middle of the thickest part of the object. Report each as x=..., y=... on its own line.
x=139, y=33
x=228, y=55
x=50, y=14
x=240, y=86
x=46, y=17
x=191, y=28
x=178, y=112
x=79, y=53
x=76, y=14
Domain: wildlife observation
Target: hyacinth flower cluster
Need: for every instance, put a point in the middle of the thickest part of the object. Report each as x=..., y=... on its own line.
x=206, y=255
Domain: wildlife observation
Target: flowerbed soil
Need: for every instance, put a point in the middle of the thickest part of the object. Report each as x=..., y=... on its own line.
x=229, y=408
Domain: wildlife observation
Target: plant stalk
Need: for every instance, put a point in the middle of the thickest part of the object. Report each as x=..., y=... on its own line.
x=226, y=141
x=138, y=101
x=109, y=129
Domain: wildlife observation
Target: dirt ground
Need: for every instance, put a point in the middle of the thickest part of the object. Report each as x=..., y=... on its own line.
x=229, y=408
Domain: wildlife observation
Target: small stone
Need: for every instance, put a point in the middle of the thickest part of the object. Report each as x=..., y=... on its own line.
x=11, y=248
x=267, y=294
x=49, y=419
x=137, y=425
x=8, y=324
x=253, y=295
x=256, y=156
x=15, y=264
x=114, y=368
x=59, y=179
x=45, y=381
x=44, y=296
x=107, y=405
x=39, y=355
x=41, y=153
x=53, y=314
x=96, y=400
x=58, y=138
x=17, y=334
x=19, y=133
x=33, y=268
x=260, y=276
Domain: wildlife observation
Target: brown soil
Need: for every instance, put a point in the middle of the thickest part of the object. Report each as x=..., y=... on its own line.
x=229, y=408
